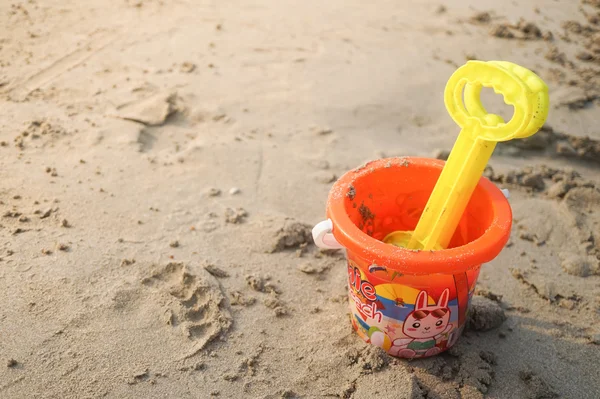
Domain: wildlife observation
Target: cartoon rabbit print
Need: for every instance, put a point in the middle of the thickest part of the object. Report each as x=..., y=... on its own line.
x=424, y=326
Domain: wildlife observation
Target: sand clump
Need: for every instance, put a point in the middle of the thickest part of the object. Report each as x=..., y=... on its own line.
x=213, y=192
x=482, y=17
x=216, y=271
x=489, y=295
x=522, y=30
x=150, y=111
x=277, y=305
x=39, y=133
x=578, y=265
x=464, y=372
x=272, y=300
x=555, y=183
x=293, y=235
x=369, y=359
x=316, y=268
x=238, y=298
x=485, y=314
x=235, y=216
x=554, y=143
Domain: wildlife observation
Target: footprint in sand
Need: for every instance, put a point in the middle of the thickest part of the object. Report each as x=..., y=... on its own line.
x=196, y=304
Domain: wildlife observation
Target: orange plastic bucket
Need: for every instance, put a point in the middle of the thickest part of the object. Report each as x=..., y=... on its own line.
x=410, y=303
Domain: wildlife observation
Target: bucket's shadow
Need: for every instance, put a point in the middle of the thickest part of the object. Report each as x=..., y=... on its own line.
x=525, y=357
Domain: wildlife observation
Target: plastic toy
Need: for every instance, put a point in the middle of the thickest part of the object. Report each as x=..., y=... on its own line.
x=522, y=89
x=444, y=219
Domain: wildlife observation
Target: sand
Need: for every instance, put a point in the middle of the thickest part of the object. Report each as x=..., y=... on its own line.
x=162, y=164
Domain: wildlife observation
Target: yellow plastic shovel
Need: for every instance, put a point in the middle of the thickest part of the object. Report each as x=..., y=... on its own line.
x=480, y=132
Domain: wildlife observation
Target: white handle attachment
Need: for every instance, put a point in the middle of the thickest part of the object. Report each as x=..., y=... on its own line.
x=323, y=237
x=505, y=192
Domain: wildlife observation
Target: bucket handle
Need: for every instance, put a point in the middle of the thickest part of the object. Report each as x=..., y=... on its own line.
x=323, y=236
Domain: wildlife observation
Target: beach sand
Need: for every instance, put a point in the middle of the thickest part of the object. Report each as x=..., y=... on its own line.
x=162, y=164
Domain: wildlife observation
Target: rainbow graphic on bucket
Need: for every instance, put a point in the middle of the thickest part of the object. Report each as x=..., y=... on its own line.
x=413, y=316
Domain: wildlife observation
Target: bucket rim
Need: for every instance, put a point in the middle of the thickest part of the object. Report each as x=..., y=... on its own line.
x=402, y=260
